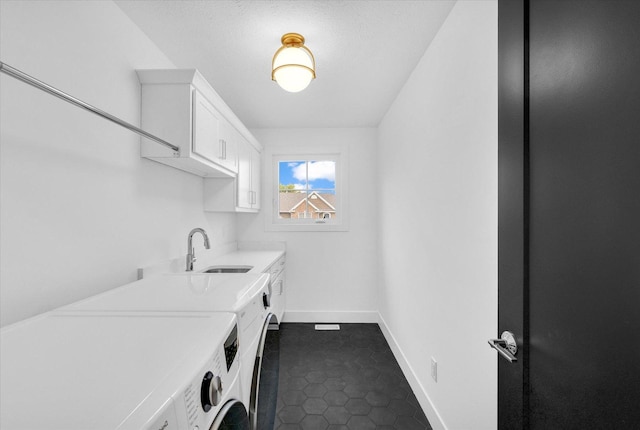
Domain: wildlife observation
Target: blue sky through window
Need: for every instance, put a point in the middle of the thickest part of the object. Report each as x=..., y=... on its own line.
x=308, y=175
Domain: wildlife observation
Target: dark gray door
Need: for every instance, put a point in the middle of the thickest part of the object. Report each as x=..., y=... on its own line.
x=569, y=246
x=512, y=221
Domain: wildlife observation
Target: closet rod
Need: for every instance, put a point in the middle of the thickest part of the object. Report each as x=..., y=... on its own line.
x=15, y=73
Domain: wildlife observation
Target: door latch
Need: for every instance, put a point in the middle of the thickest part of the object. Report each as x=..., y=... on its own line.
x=506, y=346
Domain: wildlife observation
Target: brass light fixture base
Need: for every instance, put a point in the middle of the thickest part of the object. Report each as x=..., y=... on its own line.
x=292, y=40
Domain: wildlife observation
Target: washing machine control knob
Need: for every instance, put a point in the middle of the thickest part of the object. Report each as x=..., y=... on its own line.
x=210, y=391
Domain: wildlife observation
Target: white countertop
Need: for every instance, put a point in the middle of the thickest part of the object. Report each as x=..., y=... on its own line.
x=260, y=255
x=179, y=292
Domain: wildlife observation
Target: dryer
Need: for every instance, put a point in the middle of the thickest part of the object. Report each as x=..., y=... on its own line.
x=106, y=371
x=246, y=295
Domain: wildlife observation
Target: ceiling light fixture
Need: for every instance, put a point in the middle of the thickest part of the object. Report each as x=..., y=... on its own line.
x=293, y=65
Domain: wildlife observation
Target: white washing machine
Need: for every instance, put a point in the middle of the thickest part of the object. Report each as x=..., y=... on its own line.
x=246, y=295
x=106, y=371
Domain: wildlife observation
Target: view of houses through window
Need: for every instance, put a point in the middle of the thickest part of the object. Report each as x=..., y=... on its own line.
x=307, y=190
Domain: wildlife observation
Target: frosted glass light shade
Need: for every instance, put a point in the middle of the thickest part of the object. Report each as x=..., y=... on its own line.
x=293, y=66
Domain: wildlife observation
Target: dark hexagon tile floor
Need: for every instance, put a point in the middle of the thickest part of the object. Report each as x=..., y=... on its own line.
x=342, y=380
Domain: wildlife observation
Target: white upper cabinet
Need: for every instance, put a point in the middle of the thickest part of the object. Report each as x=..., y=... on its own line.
x=182, y=108
x=256, y=161
x=239, y=194
x=245, y=196
x=206, y=129
x=248, y=181
x=228, y=140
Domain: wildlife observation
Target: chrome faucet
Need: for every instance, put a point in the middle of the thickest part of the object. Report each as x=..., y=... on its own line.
x=191, y=256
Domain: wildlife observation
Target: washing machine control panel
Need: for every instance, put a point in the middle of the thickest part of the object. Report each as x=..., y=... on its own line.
x=196, y=405
x=194, y=394
x=210, y=391
x=210, y=388
x=204, y=394
x=231, y=347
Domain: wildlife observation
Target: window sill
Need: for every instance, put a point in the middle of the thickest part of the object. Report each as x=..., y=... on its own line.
x=307, y=227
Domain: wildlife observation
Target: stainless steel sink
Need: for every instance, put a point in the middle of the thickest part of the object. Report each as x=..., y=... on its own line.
x=227, y=269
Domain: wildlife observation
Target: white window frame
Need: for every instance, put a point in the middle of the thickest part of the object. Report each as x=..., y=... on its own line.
x=337, y=153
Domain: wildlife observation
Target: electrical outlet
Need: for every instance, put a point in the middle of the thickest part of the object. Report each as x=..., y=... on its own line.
x=434, y=369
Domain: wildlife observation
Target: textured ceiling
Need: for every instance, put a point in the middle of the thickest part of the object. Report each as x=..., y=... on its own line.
x=364, y=50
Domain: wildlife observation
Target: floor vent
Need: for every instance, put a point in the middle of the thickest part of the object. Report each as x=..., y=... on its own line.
x=327, y=326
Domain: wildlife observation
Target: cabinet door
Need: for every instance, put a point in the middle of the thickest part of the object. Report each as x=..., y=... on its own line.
x=244, y=175
x=255, y=177
x=278, y=297
x=228, y=139
x=206, y=121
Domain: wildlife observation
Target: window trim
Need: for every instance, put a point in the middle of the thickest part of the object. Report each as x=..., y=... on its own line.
x=337, y=153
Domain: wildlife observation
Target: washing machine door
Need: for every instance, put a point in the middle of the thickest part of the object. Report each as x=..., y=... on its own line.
x=232, y=416
x=264, y=386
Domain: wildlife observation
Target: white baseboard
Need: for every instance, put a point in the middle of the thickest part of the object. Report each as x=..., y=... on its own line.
x=330, y=317
x=423, y=398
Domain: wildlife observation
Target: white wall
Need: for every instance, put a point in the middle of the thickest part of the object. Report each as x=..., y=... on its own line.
x=437, y=161
x=80, y=209
x=330, y=275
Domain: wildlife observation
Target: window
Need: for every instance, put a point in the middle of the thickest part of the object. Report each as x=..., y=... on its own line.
x=308, y=191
